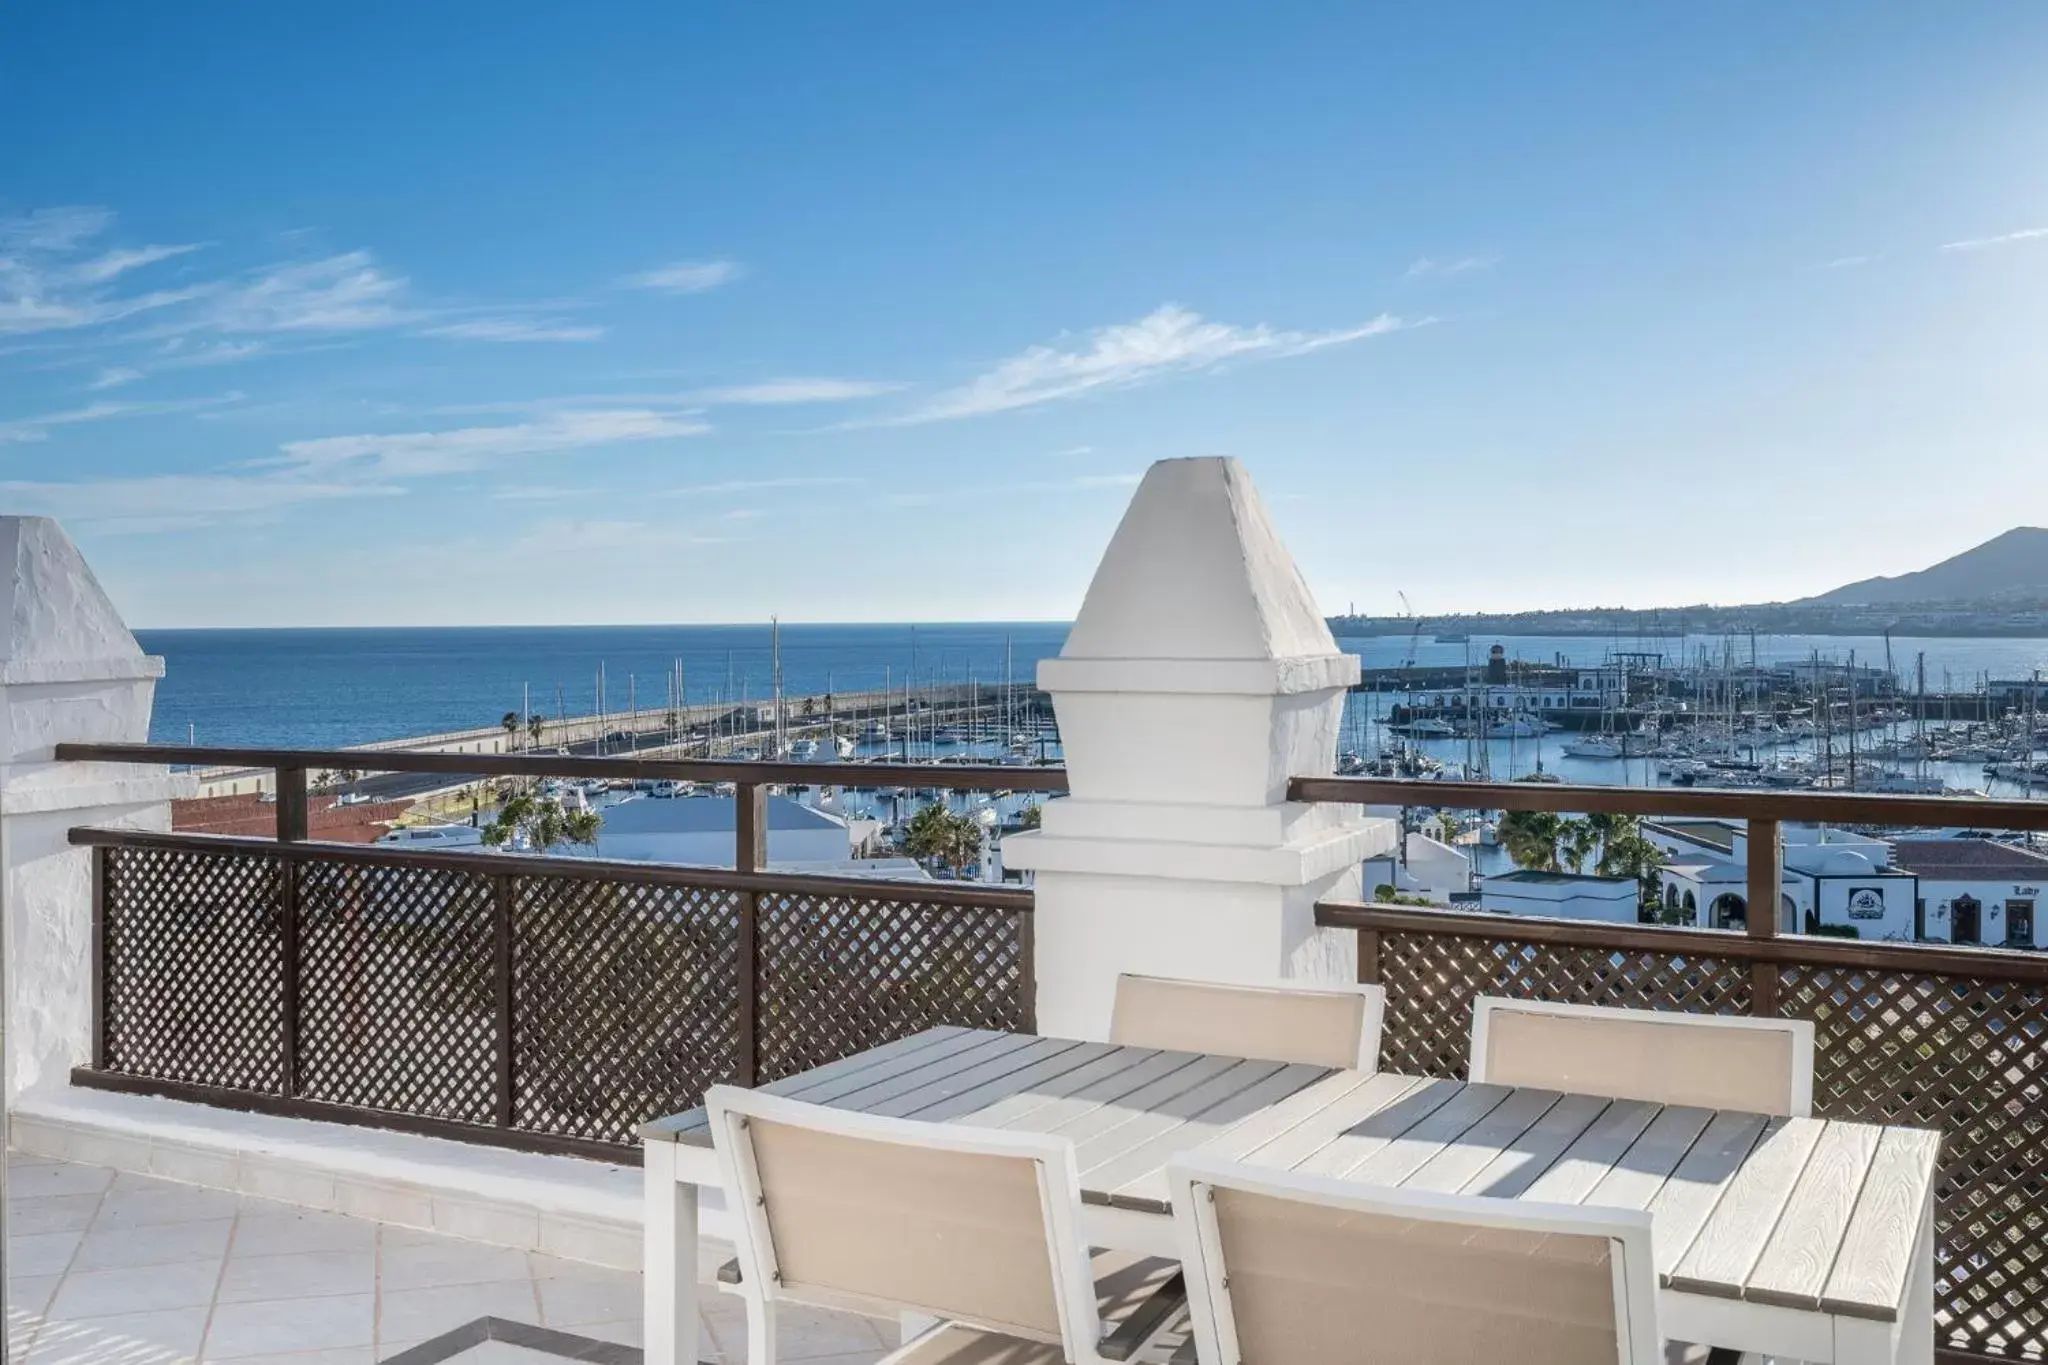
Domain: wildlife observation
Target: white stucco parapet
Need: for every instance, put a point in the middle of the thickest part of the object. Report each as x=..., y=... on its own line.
x=70, y=670
x=1198, y=679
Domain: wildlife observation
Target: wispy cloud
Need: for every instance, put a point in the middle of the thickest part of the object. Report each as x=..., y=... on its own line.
x=105, y=267
x=773, y=391
x=345, y=293
x=1170, y=340
x=180, y=353
x=464, y=449
x=171, y=502
x=2003, y=239
x=1460, y=265
x=756, y=485
x=686, y=277
x=45, y=286
x=516, y=329
x=1849, y=262
x=38, y=428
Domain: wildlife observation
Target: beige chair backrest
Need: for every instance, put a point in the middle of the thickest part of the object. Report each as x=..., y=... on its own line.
x=892, y=1215
x=1338, y=1028
x=1761, y=1066
x=1313, y=1272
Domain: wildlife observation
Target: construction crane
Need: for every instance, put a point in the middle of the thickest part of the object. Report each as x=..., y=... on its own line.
x=1415, y=635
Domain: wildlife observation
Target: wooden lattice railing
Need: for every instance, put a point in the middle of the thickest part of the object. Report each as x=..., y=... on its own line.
x=548, y=1003
x=1934, y=1036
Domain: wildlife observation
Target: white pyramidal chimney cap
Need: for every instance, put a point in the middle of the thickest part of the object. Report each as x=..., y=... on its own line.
x=56, y=622
x=1197, y=594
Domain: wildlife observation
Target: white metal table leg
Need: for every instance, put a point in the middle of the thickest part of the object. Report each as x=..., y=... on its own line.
x=1910, y=1340
x=669, y=1262
x=1916, y=1324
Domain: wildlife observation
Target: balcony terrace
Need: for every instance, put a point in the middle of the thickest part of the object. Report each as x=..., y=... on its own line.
x=380, y=1061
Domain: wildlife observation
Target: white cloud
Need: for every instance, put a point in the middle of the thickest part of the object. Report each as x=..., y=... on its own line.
x=686, y=277
x=751, y=485
x=178, y=354
x=344, y=293
x=105, y=267
x=164, y=502
x=772, y=391
x=469, y=448
x=2003, y=239
x=1850, y=262
x=1461, y=265
x=37, y=428
x=53, y=229
x=44, y=287
x=1170, y=340
x=515, y=329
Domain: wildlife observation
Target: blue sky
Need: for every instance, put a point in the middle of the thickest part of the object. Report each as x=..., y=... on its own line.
x=399, y=313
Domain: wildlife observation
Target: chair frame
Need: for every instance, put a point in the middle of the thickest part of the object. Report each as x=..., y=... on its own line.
x=1801, y=1031
x=1370, y=1028
x=1059, y=1189
x=1192, y=1180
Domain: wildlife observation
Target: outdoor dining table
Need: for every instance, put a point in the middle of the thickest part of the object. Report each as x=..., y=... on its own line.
x=1800, y=1237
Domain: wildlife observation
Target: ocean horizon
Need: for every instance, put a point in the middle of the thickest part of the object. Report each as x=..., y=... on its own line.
x=330, y=686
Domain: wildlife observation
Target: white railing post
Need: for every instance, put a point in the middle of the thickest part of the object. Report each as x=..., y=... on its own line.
x=1198, y=678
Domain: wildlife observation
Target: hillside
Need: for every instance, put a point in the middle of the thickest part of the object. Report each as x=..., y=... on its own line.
x=2010, y=566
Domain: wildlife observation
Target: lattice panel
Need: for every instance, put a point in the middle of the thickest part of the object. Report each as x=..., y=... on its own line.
x=1431, y=980
x=193, y=967
x=625, y=1005
x=842, y=974
x=396, y=1001
x=1968, y=1057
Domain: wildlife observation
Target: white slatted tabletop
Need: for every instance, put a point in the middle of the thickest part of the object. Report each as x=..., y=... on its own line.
x=1799, y=1221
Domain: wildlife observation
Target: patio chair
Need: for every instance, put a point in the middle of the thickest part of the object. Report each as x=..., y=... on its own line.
x=1313, y=1271
x=1715, y=1061
x=1318, y=1025
x=977, y=1228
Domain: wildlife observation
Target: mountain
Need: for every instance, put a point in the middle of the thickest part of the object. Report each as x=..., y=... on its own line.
x=2011, y=566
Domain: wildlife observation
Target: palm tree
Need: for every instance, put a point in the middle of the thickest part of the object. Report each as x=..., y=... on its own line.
x=535, y=723
x=544, y=822
x=512, y=725
x=936, y=834
x=1531, y=838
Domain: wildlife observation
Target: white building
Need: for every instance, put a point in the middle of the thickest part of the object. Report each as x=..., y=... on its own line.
x=1976, y=891
x=1565, y=895
x=698, y=831
x=1429, y=868
x=1832, y=881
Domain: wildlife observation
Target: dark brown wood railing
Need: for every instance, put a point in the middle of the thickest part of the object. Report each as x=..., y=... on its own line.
x=549, y=1003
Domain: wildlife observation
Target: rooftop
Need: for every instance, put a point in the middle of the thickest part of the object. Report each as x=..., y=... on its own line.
x=1967, y=858
x=1707, y=833
x=1528, y=877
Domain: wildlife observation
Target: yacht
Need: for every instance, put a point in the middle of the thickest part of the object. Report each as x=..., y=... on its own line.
x=1430, y=728
x=805, y=748
x=1514, y=727
x=1591, y=746
x=434, y=836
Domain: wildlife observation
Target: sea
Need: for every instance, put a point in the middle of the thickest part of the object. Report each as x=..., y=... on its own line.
x=322, y=688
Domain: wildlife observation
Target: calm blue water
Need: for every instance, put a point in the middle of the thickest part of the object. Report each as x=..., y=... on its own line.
x=320, y=688
x=315, y=688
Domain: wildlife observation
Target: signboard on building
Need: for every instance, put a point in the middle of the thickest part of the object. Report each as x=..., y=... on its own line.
x=1866, y=903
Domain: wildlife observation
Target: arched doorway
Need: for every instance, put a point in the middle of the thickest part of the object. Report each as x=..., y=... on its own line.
x=1729, y=911
x=1965, y=920
x=1692, y=909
